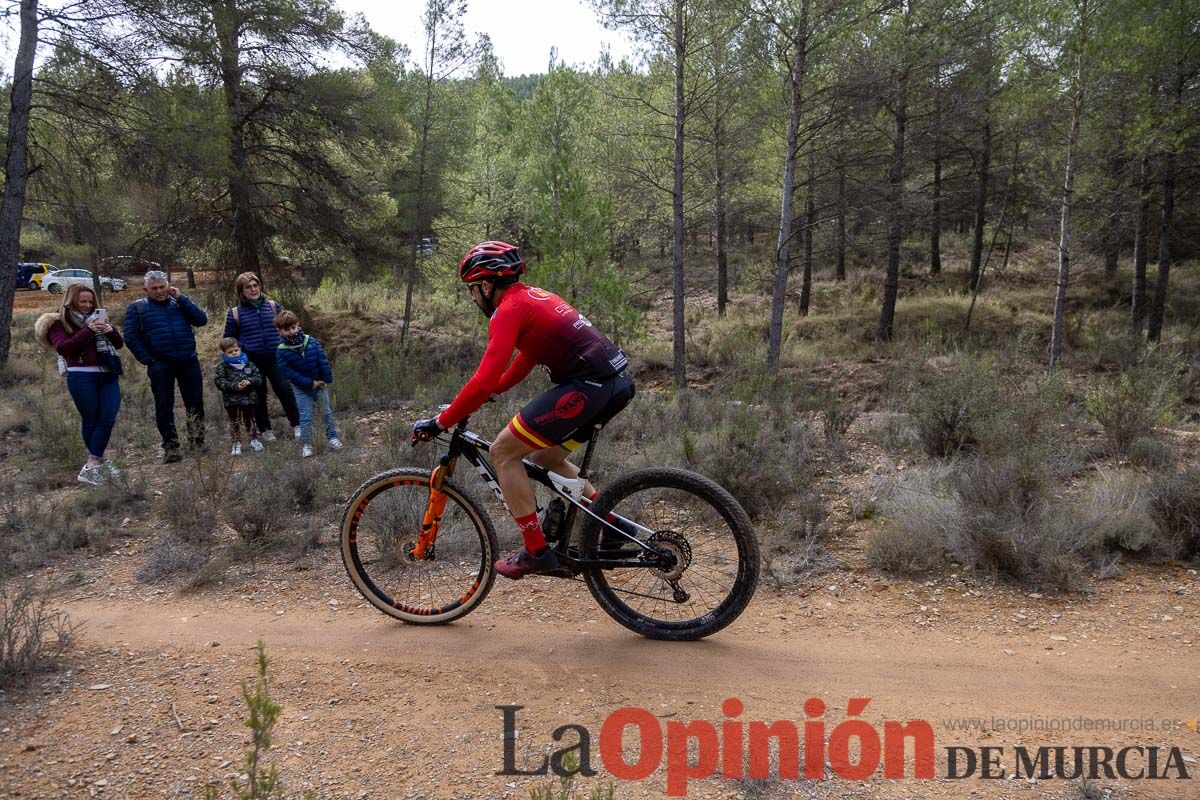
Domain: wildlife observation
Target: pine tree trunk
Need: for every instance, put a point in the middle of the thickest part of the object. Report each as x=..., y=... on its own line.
x=720, y=214
x=1137, y=311
x=1064, y=241
x=246, y=234
x=680, y=354
x=891, y=282
x=981, y=198
x=839, y=270
x=1112, y=226
x=419, y=222
x=783, y=251
x=1158, y=310
x=810, y=220
x=16, y=170
x=935, y=220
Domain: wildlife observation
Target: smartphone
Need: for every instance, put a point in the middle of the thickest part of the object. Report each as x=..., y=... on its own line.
x=100, y=314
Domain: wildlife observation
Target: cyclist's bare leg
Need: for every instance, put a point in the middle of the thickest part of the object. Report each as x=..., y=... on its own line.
x=555, y=460
x=507, y=453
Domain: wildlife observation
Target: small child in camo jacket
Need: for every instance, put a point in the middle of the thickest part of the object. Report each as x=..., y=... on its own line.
x=302, y=360
x=239, y=382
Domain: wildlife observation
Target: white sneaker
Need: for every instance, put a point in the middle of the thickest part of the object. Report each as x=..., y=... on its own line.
x=237, y=449
x=296, y=432
x=305, y=451
x=268, y=436
x=335, y=443
x=90, y=475
x=256, y=445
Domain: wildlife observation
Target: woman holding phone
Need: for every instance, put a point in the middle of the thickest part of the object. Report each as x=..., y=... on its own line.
x=88, y=344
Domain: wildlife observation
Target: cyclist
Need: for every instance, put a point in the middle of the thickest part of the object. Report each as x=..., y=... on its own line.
x=591, y=381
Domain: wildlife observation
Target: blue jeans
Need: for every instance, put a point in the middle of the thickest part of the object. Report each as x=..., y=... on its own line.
x=97, y=395
x=306, y=399
x=163, y=377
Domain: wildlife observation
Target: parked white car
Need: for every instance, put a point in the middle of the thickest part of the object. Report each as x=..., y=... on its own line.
x=58, y=281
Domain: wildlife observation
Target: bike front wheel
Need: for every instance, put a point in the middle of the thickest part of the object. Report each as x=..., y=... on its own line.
x=380, y=530
x=709, y=564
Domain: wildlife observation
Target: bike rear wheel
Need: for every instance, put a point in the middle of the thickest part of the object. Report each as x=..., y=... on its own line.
x=380, y=529
x=714, y=560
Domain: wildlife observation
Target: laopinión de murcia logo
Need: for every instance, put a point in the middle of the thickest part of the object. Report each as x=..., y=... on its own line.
x=634, y=744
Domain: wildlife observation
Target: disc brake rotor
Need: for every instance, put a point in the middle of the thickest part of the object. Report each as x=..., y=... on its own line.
x=404, y=552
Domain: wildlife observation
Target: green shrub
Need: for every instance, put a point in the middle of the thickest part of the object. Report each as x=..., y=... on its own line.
x=837, y=415
x=795, y=545
x=257, y=782
x=34, y=528
x=190, y=511
x=1115, y=509
x=1010, y=528
x=919, y=513
x=252, y=510
x=33, y=636
x=1152, y=453
x=1130, y=405
x=170, y=555
x=564, y=787
x=1175, y=508
x=949, y=407
x=54, y=436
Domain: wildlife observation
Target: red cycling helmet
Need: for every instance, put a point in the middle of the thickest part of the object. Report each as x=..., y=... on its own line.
x=491, y=261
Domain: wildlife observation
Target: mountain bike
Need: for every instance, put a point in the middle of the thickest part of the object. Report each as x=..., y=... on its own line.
x=667, y=553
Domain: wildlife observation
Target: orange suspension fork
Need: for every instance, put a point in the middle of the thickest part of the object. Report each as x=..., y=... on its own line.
x=433, y=509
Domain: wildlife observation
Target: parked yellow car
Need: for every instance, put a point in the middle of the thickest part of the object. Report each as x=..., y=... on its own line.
x=30, y=274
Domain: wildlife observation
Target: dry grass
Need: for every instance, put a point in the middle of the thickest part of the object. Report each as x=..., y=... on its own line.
x=34, y=636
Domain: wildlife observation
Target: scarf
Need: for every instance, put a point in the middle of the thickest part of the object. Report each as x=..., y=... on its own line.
x=107, y=354
x=296, y=339
x=236, y=363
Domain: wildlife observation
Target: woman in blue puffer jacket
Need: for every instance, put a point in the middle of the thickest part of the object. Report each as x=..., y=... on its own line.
x=252, y=323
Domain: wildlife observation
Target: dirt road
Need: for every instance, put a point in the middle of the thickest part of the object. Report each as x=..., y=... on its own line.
x=373, y=708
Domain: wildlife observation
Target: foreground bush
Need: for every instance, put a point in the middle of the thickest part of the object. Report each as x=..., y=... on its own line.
x=1009, y=527
x=1002, y=520
x=33, y=636
x=258, y=782
x=1175, y=509
x=1130, y=405
x=947, y=407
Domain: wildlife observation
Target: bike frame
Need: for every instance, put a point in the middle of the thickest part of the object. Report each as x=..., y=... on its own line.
x=465, y=444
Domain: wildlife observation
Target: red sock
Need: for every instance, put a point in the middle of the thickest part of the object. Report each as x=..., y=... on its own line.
x=531, y=532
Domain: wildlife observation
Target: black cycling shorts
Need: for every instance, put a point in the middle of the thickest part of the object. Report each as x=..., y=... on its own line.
x=567, y=414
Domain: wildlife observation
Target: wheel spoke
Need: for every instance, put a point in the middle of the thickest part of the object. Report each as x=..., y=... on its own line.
x=704, y=548
x=380, y=530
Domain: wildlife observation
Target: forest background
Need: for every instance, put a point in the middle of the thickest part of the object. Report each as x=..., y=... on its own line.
x=975, y=223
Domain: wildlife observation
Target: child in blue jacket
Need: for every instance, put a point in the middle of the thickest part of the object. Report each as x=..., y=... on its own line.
x=302, y=361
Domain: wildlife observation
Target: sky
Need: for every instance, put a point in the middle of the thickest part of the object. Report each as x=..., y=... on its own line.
x=522, y=31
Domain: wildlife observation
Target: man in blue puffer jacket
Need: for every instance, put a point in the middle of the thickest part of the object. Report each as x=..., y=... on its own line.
x=158, y=331
x=302, y=361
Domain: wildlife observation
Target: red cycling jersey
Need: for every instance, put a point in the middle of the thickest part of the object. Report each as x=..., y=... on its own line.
x=544, y=329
